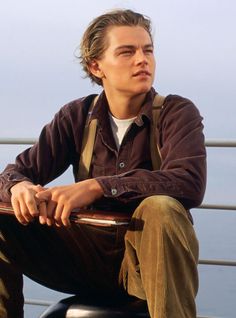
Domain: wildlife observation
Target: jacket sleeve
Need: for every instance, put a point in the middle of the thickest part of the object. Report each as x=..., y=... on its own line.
x=182, y=174
x=45, y=160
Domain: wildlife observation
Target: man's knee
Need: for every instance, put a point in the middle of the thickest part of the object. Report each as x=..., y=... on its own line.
x=159, y=207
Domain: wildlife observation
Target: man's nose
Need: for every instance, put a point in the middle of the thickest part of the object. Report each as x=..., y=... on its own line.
x=140, y=57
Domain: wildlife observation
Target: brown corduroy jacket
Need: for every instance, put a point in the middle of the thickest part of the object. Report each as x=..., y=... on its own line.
x=126, y=176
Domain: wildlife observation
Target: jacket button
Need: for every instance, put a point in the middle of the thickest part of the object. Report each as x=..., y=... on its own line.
x=121, y=164
x=113, y=191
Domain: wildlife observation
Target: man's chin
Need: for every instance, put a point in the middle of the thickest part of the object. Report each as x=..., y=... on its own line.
x=143, y=90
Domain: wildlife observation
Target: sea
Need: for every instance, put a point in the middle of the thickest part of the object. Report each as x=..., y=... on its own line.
x=216, y=231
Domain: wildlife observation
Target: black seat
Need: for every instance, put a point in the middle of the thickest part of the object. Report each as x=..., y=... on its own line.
x=79, y=307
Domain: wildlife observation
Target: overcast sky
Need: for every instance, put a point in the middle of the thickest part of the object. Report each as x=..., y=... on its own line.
x=195, y=48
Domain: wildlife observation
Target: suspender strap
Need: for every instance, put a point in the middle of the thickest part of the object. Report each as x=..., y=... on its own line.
x=90, y=134
x=154, y=149
x=87, y=144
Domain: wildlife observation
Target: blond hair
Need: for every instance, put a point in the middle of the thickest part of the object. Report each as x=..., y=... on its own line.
x=93, y=43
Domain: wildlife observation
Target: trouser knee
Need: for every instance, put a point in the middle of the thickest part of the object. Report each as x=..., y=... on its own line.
x=160, y=208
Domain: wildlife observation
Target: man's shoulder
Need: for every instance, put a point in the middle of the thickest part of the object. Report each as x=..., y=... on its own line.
x=171, y=100
x=177, y=99
x=177, y=105
x=79, y=103
x=75, y=110
x=176, y=102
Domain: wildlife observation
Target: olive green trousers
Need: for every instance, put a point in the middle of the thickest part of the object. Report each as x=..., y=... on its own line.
x=154, y=258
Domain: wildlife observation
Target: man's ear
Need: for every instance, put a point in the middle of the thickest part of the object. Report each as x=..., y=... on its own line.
x=95, y=69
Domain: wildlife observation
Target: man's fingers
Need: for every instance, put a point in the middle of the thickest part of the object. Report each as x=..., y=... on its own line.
x=46, y=206
x=17, y=211
x=31, y=205
x=26, y=208
x=57, y=214
x=21, y=212
x=65, y=216
x=56, y=210
x=42, y=212
x=51, y=207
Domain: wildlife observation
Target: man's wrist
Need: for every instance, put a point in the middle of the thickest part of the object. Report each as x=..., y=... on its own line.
x=96, y=188
x=22, y=183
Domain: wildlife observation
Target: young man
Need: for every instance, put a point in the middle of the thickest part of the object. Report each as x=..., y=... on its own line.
x=154, y=258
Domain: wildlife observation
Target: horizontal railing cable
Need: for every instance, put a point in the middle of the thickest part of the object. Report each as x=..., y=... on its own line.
x=30, y=141
x=220, y=143
x=207, y=206
x=216, y=262
x=17, y=141
x=38, y=302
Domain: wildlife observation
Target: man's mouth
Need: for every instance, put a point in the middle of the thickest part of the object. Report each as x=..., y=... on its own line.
x=142, y=73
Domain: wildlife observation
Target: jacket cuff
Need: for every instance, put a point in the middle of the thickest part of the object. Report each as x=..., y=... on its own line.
x=111, y=186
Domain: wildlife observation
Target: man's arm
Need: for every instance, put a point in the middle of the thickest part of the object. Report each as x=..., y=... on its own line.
x=43, y=162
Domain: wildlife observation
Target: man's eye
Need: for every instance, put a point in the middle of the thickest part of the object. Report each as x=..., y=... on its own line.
x=126, y=52
x=149, y=51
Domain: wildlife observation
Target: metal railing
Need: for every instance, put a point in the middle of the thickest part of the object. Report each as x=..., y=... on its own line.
x=209, y=143
x=17, y=141
x=38, y=302
x=29, y=141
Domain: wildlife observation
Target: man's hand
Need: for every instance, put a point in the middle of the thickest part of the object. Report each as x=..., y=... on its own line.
x=24, y=203
x=62, y=200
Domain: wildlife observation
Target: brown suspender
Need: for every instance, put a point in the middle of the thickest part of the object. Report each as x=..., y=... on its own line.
x=87, y=144
x=154, y=148
x=90, y=134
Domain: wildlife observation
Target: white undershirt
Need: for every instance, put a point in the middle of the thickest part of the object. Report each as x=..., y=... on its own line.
x=119, y=128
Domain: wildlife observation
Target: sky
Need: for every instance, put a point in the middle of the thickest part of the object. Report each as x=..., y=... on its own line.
x=195, y=49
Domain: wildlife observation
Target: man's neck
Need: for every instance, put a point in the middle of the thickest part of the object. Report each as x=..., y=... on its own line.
x=124, y=107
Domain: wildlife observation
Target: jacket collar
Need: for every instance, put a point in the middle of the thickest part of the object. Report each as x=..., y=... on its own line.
x=100, y=110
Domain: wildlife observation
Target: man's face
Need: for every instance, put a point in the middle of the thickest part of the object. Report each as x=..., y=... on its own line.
x=128, y=64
